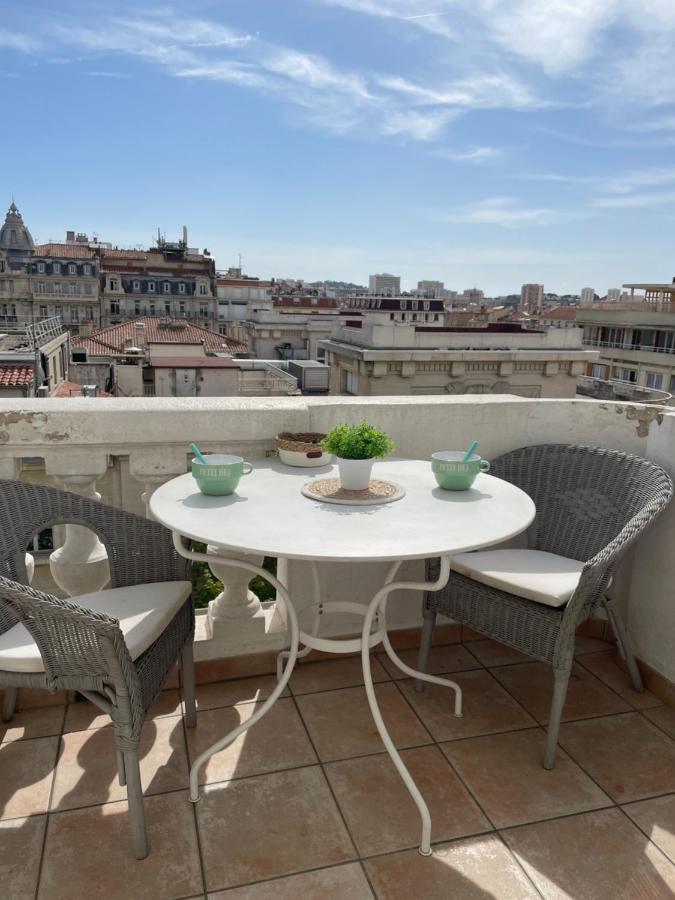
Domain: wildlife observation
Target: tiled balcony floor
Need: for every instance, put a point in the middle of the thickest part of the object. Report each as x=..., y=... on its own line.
x=307, y=805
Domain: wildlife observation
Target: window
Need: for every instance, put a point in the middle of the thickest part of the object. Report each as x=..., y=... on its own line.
x=72, y=269
x=435, y=317
x=137, y=308
x=427, y=304
x=203, y=311
x=42, y=287
x=41, y=267
x=391, y=315
x=625, y=374
x=114, y=284
x=57, y=288
x=167, y=287
x=202, y=288
x=74, y=288
x=43, y=312
x=654, y=380
x=2, y=265
x=152, y=309
x=167, y=307
x=56, y=268
x=114, y=307
x=402, y=304
x=151, y=287
x=74, y=314
x=181, y=309
x=672, y=384
x=181, y=288
x=598, y=371
x=87, y=269
x=87, y=289
x=137, y=285
x=89, y=313
x=414, y=304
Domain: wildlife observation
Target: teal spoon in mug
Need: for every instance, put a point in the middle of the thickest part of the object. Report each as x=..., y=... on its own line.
x=198, y=453
x=469, y=453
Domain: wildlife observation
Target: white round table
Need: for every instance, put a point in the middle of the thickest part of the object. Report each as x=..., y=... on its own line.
x=269, y=516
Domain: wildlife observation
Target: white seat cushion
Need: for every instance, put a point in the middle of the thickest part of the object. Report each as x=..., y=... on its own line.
x=531, y=574
x=143, y=611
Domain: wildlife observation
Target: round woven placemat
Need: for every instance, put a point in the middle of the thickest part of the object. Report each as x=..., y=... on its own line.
x=329, y=490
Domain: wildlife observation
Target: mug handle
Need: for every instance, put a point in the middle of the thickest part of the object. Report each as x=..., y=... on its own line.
x=246, y=471
x=484, y=465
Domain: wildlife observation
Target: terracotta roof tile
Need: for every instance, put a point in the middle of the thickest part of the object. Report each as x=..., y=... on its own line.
x=64, y=251
x=15, y=376
x=112, y=340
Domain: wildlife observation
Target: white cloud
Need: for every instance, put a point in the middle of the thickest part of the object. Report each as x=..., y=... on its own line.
x=482, y=91
x=472, y=154
x=636, y=201
x=510, y=213
x=16, y=40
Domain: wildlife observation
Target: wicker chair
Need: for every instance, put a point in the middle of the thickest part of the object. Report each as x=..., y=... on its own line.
x=116, y=647
x=592, y=504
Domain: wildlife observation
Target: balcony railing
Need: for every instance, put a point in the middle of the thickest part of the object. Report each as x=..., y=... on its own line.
x=616, y=389
x=125, y=448
x=619, y=345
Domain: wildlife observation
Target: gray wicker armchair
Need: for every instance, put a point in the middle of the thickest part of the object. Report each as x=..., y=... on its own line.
x=116, y=647
x=592, y=504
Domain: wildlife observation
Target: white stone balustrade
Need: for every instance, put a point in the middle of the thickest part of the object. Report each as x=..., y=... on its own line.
x=123, y=448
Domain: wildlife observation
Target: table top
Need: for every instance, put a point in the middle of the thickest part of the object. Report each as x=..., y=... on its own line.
x=268, y=515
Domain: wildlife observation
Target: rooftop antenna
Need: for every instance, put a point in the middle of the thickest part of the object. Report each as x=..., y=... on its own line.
x=241, y=262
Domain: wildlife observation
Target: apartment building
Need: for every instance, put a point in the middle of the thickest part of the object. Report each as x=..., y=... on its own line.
x=65, y=282
x=532, y=297
x=635, y=338
x=373, y=357
x=237, y=294
x=292, y=328
x=384, y=284
x=397, y=309
x=170, y=279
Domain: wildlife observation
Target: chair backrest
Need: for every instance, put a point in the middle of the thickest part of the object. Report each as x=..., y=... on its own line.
x=139, y=551
x=584, y=495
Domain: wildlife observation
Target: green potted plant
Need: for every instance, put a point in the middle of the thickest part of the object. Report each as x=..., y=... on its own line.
x=356, y=448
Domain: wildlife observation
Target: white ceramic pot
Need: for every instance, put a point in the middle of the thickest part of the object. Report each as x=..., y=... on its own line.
x=355, y=473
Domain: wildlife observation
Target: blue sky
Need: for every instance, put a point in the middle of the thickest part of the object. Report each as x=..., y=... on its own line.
x=480, y=142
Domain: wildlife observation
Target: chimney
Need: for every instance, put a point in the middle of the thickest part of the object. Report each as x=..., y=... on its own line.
x=140, y=334
x=70, y=237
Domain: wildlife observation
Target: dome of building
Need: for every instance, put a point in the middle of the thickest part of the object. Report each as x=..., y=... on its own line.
x=14, y=236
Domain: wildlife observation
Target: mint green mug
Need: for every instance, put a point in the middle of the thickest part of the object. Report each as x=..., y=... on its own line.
x=452, y=473
x=221, y=474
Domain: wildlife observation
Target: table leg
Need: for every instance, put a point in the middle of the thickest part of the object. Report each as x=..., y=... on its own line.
x=316, y=606
x=379, y=602
x=292, y=652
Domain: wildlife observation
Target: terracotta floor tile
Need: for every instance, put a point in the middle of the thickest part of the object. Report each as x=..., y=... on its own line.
x=86, y=772
x=341, y=725
x=20, y=852
x=504, y=773
x=267, y=826
x=379, y=811
x=239, y=690
x=487, y=708
x=479, y=868
x=532, y=685
x=333, y=674
x=277, y=741
x=29, y=698
x=664, y=717
x=492, y=653
x=603, y=666
x=468, y=634
x=584, y=643
x=596, y=856
x=33, y=723
x=449, y=658
x=627, y=755
x=346, y=882
x=27, y=769
x=656, y=818
x=88, y=853
x=84, y=715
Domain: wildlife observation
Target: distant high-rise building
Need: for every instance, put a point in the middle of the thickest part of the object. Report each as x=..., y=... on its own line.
x=613, y=294
x=532, y=297
x=431, y=289
x=587, y=295
x=384, y=284
x=472, y=295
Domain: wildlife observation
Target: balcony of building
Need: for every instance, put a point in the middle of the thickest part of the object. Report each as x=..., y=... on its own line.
x=307, y=803
x=616, y=389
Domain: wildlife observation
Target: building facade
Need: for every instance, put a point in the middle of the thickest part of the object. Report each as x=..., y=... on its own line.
x=532, y=297
x=293, y=328
x=384, y=284
x=636, y=340
x=372, y=357
x=237, y=294
x=587, y=295
x=397, y=309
